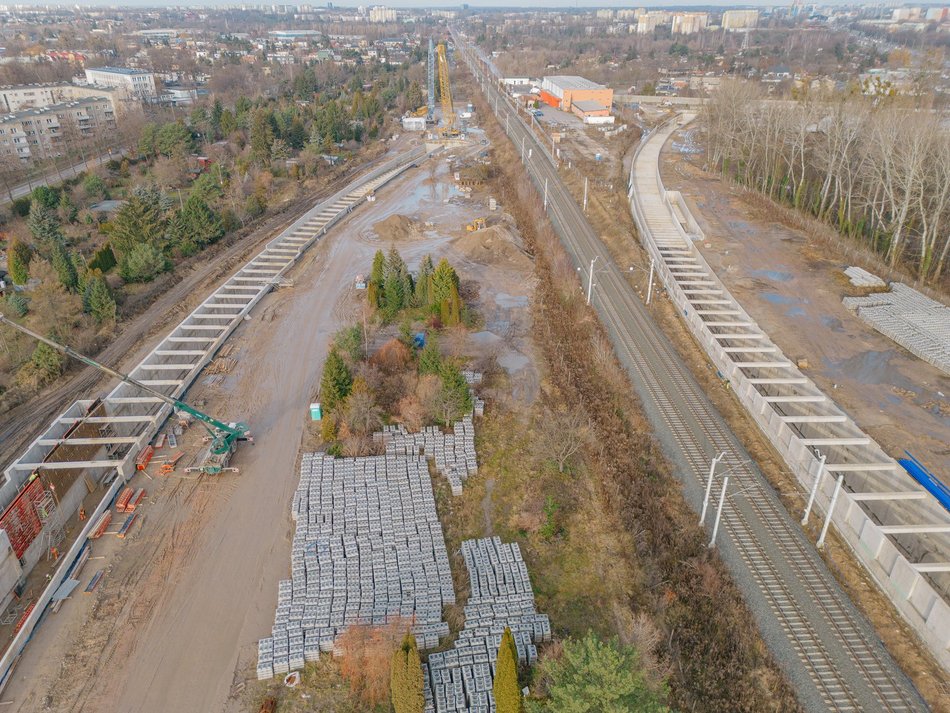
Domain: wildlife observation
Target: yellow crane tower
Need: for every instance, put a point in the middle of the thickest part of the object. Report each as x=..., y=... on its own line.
x=448, y=111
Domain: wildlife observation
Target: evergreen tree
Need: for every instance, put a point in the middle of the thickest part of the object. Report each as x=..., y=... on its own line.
x=603, y=676
x=430, y=359
x=450, y=311
x=424, y=281
x=177, y=236
x=103, y=259
x=67, y=209
x=405, y=684
x=44, y=227
x=142, y=263
x=377, y=276
x=19, y=255
x=397, y=287
x=262, y=136
x=202, y=224
x=141, y=219
x=414, y=96
x=65, y=270
x=46, y=196
x=98, y=301
x=336, y=381
x=443, y=279
x=18, y=304
x=505, y=687
x=44, y=366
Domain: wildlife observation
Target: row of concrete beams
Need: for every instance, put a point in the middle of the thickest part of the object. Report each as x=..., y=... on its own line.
x=795, y=399
x=176, y=361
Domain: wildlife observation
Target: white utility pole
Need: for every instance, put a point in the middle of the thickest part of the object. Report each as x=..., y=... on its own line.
x=709, y=482
x=590, y=280
x=522, y=149
x=831, y=510
x=650, y=283
x=722, y=500
x=507, y=116
x=585, y=194
x=545, y=194
x=814, y=489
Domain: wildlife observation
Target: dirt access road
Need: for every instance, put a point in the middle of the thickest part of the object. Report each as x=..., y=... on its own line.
x=793, y=289
x=175, y=624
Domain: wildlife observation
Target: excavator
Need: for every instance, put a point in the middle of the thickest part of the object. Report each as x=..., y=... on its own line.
x=223, y=437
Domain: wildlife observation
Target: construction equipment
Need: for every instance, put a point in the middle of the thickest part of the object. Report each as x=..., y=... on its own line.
x=477, y=224
x=430, y=84
x=448, y=111
x=223, y=437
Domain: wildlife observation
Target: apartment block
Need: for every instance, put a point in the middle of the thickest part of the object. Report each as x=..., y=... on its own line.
x=46, y=132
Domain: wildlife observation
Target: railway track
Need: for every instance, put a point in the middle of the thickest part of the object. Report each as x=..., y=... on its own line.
x=828, y=650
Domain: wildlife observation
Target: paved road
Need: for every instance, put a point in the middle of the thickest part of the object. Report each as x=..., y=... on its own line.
x=56, y=177
x=826, y=647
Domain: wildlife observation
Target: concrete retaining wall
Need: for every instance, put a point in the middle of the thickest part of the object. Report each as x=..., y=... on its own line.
x=913, y=595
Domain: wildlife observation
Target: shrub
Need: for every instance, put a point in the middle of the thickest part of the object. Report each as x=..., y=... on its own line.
x=143, y=263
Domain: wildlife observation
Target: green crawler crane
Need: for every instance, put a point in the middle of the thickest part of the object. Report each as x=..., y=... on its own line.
x=223, y=436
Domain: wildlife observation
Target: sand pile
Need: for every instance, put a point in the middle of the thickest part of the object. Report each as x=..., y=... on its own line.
x=494, y=246
x=397, y=228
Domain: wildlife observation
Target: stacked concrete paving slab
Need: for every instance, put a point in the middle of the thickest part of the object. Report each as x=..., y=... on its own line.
x=860, y=277
x=453, y=453
x=916, y=322
x=368, y=548
x=460, y=679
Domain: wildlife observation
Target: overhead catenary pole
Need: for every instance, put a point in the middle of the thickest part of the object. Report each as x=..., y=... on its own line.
x=590, y=280
x=650, y=282
x=709, y=482
x=522, y=149
x=585, y=194
x=545, y=194
x=814, y=489
x=722, y=501
x=831, y=510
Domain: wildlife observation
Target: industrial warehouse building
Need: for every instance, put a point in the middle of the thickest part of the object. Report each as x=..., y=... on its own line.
x=562, y=91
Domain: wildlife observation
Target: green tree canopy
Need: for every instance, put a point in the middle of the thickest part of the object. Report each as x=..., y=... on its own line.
x=141, y=219
x=406, y=685
x=19, y=255
x=336, y=382
x=505, y=687
x=65, y=269
x=97, y=300
x=143, y=263
x=595, y=676
x=44, y=226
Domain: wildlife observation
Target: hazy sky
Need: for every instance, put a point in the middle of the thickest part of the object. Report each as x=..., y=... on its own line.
x=416, y=3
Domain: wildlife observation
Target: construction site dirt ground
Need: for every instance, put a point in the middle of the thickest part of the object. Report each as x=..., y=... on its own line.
x=793, y=288
x=175, y=621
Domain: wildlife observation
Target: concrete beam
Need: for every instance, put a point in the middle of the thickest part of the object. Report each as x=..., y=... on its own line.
x=107, y=419
x=754, y=335
x=935, y=529
x=932, y=566
x=750, y=350
x=763, y=364
x=898, y=495
x=796, y=399
x=68, y=465
x=843, y=441
x=86, y=441
x=779, y=380
x=838, y=418
x=859, y=467
x=182, y=352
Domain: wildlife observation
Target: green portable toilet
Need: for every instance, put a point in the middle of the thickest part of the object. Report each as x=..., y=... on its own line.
x=316, y=412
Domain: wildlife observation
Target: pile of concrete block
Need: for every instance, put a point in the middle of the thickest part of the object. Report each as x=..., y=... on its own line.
x=913, y=320
x=460, y=679
x=862, y=278
x=474, y=378
x=453, y=453
x=368, y=549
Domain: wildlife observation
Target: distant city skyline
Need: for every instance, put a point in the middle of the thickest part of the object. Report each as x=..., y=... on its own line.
x=449, y=4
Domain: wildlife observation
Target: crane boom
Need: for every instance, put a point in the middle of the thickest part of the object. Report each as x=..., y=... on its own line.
x=445, y=90
x=224, y=435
